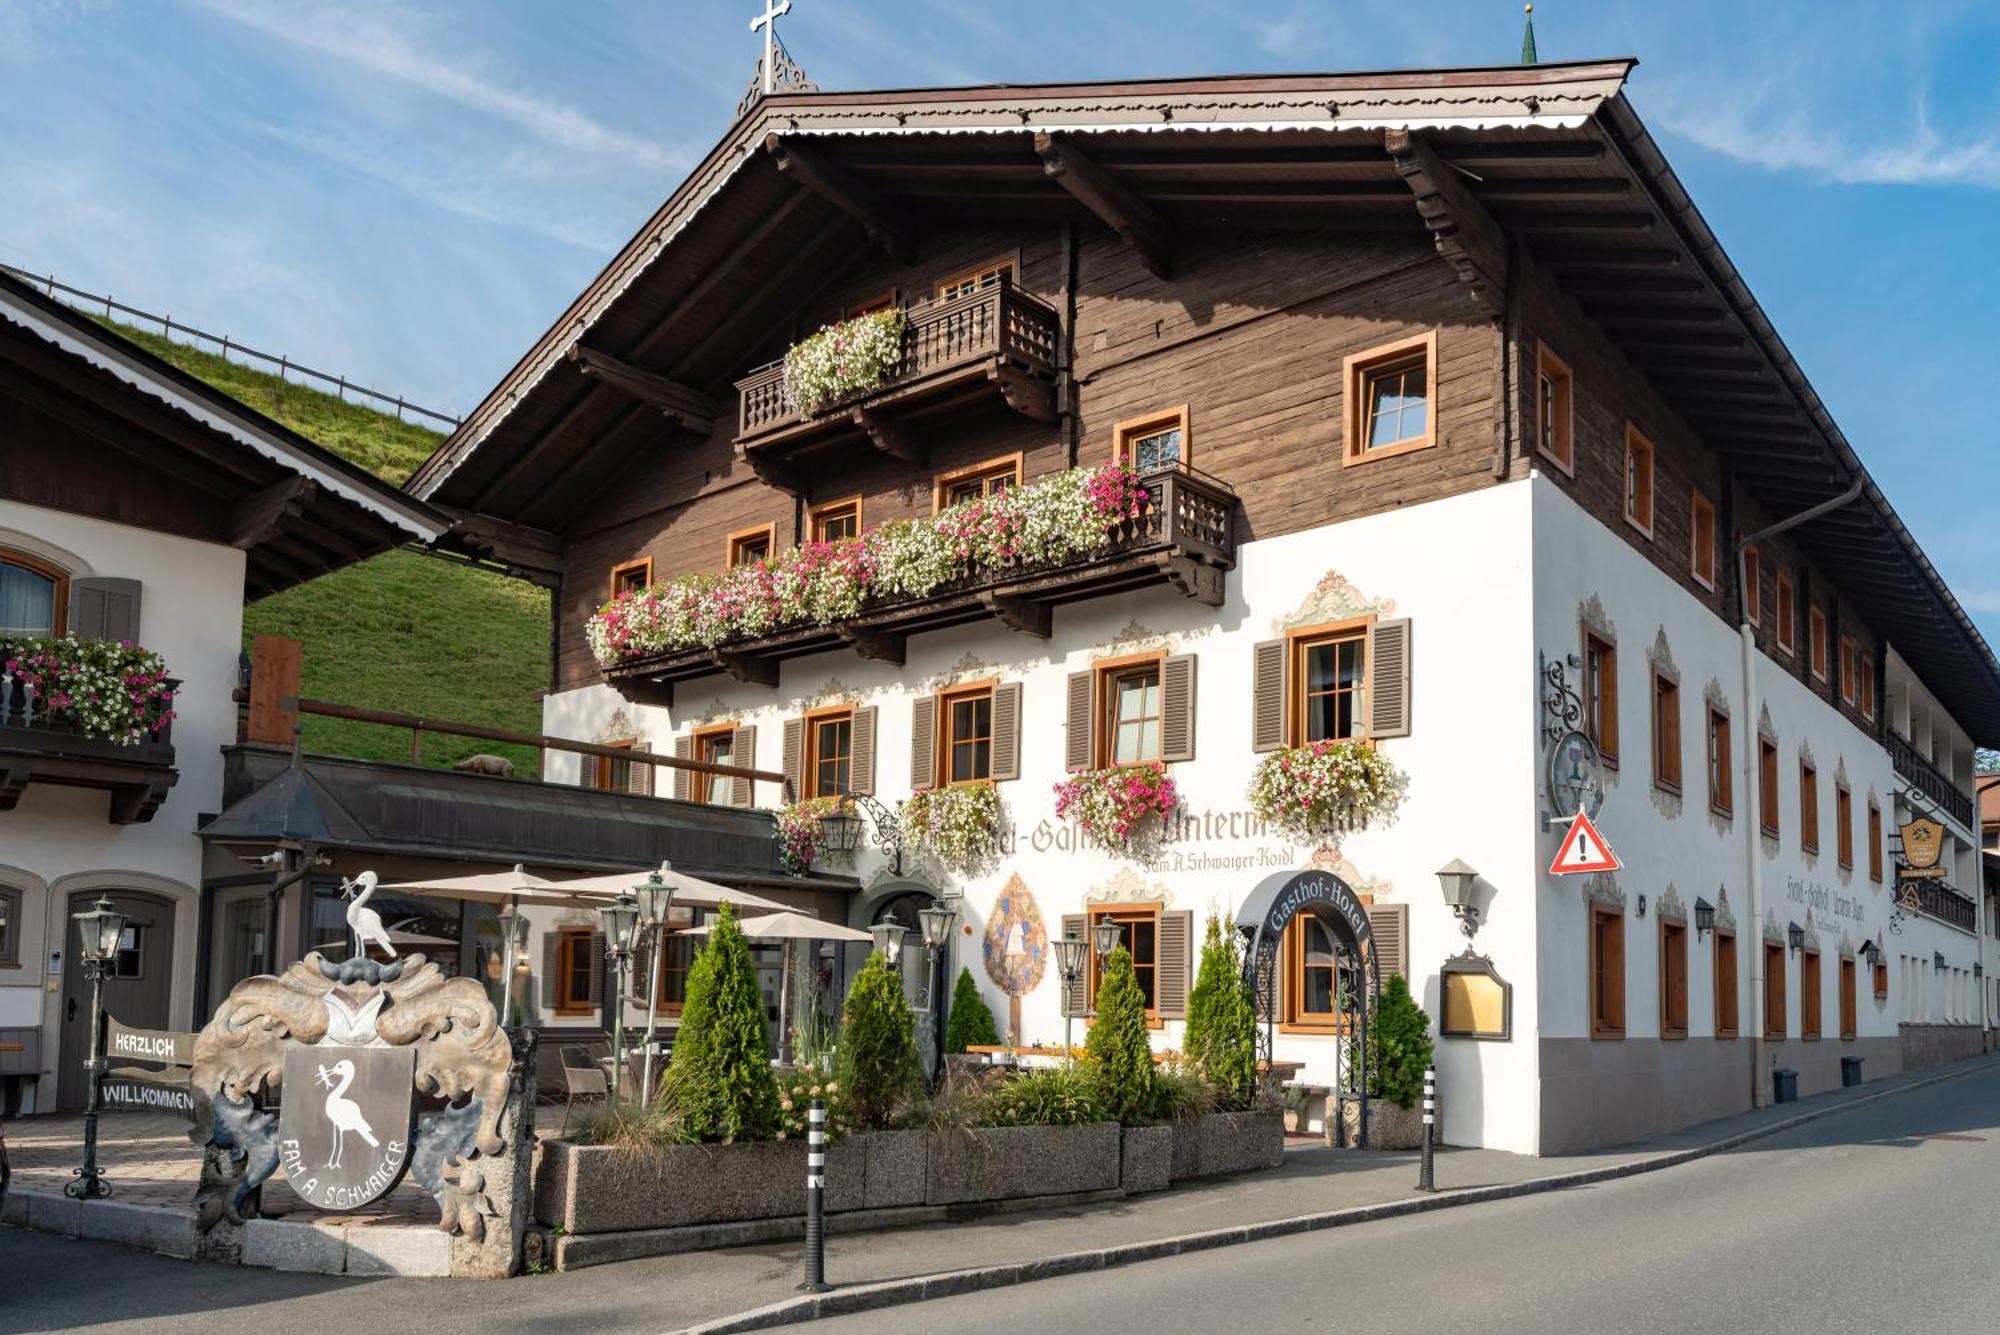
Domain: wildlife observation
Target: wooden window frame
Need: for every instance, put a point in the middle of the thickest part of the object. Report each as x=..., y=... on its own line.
x=1874, y=841
x=1812, y=1000
x=1728, y=1000
x=819, y=514
x=1639, y=446
x=1010, y=264
x=1843, y=820
x=701, y=786
x=602, y=768
x=1296, y=643
x=1816, y=646
x=1881, y=980
x=11, y=900
x=1602, y=1025
x=1673, y=936
x=1787, y=613
x=1850, y=1005
x=1562, y=425
x=1777, y=985
x=1008, y=465
x=643, y=564
x=1667, y=748
x=732, y=546
x=1104, y=739
x=1294, y=1019
x=35, y=565
x=1867, y=685
x=1808, y=806
x=1092, y=915
x=568, y=941
x=1701, y=511
x=668, y=1006
x=1850, y=670
x=1769, y=818
x=946, y=737
x=1135, y=428
x=814, y=721
x=1601, y=728
x=1753, y=585
x=1358, y=368
x=1720, y=747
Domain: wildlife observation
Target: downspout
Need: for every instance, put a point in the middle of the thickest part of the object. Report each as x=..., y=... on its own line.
x=1753, y=853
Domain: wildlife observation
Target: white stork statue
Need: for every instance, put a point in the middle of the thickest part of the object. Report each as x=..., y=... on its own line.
x=364, y=922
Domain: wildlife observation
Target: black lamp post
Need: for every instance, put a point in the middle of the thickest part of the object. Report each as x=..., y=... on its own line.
x=1704, y=917
x=102, y=928
x=1069, y=963
x=656, y=903
x=621, y=925
x=936, y=919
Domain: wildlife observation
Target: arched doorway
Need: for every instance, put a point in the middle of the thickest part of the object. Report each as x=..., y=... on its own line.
x=1339, y=937
x=136, y=989
x=924, y=979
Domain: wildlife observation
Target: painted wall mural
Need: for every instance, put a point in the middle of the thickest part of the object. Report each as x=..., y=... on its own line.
x=1333, y=599
x=1016, y=946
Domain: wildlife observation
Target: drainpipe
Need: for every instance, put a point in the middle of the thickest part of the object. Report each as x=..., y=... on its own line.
x=1753, y=853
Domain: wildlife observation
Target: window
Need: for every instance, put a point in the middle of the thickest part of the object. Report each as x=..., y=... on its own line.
x=1843, y=834
x=1553, y=411
x=835, y=521
x=881, y=301
x=631, y=576
x=1330, y=670
x=1847, y=1006
x=1141, y=937
x=34, y=596
x=1774, y=990
x=1600, y=695
x=574, y=981
x=751, y=545
x=1673, y=979
x=1867, y=687
x=829, y=753
x=676, y=958
x=978, y=279
x=1881, y=979
x=610, y=774
x=1874, y=842
x=1666, y=733
x=1808, y=807
x=10, y=927
x=1725, y=984
x=977, y=482
x=1816, y=641
x=713, y=746
x=1721, y=795
x=1159, y=441
x=1809, y=1000
x=1849, y=674
x=1753, y=585
x=1701, y=541
x=1607, y=972
x=1314, y=979
x=967, y=734
x=1767, y=787
x=1128, y=694
x=1389, y=399
x=1788, y=617
x=1638, y=480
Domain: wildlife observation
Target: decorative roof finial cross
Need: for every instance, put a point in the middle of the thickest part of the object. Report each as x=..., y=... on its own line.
x=768, y=21
x=776, y=72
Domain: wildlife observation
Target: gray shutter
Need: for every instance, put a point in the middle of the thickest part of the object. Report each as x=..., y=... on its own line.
x=1176, y=936
x=597, y=968
x=104, y=609
x=1007, y=731
x=1076, y=996
x=861, y=762
x=795, y=759
x=1389, y=679
x=1390, y=924
x=1267, y=696
x=1077, y=746
x=923, y=743
x=638, y=774
x=683, y=750
x=550, y=941
x=1177, y=708
x=743, y=751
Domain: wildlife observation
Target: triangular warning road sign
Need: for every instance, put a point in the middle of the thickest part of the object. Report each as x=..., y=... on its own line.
x=1583, y=849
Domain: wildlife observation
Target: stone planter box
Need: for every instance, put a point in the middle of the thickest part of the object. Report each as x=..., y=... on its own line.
x=608, y=1189
x=1230, y=1142
x=1389, y=1127
x=1008, y=1162
x=1147, y=1161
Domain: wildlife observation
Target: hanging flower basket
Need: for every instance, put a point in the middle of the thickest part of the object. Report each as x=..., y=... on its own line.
x=844, y=360
x=955, y=824
x=1115, y=807
x=111, y=691
x=801, y=833
x=1325, y=788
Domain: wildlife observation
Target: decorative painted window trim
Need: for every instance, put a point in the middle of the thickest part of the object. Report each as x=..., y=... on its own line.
x=1555, y=410
x=1356, y=370
x=1639, y=496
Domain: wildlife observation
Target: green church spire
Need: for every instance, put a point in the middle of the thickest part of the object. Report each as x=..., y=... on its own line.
x=1528, y=39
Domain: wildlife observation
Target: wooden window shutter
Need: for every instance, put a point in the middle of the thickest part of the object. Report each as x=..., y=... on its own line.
x=104, y=609
x=1177, y=707
x=638, y=774
x=1389, y=679
x=1006, y=731
x=551, y=944
x=1267, y=696
x=1078, y=720
x=683, y=750
x=1390, y=924
x=743, y=751
x=1076, y=995
x=861, y=769
x=597, y=988
x=923, y=743
x=1176, y=949
x=795, y=759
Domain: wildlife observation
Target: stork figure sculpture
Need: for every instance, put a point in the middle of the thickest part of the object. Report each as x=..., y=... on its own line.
x=364, y=922
x=343, y=1112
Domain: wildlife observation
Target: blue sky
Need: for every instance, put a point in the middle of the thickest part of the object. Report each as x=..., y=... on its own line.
x=409, y=191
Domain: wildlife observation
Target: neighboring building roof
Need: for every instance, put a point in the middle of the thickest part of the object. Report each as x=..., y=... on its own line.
x=301, y=509
x=1988, y=786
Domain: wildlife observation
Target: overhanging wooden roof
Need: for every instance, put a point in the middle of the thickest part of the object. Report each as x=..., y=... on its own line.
x=1551, y=154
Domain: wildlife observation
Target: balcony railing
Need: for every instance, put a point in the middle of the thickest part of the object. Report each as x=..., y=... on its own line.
x=36, y=747
x=946, y=342
x=1935, y=899
x=1931, y=781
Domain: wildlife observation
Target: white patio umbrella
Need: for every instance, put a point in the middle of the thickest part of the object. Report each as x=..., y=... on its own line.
x=689, y=891
x=396, y=938
x=790, y=927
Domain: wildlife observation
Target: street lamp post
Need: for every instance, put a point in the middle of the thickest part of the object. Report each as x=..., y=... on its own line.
x=621, y=923
x=936, y=919
x=656, y=903
x=102, y=928
x=1069, y=963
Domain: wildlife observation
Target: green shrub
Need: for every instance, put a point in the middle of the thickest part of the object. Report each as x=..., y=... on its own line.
x=877, y=1063
x=1399, y=1045
x=1121, y=1045
x=1221, y=1041
x=631, y=1127
x=970, y=1021
x=1181, y=1094
x=1050, y=1096
x=719, y=1079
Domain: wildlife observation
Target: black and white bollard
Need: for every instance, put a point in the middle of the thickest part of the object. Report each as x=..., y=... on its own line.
x=1426, y=1179
x=816, y=1200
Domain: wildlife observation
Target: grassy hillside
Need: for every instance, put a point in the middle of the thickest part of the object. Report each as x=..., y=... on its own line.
x=404, y=631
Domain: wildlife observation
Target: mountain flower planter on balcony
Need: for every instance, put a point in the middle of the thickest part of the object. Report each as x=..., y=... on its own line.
x=120, y=741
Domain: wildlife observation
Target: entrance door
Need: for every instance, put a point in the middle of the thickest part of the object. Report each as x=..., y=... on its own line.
x=136, y=990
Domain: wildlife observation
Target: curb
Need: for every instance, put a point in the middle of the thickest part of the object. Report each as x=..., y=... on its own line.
x=918, y=1288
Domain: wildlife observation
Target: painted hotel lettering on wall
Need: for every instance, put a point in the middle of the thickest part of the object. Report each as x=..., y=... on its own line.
x=1186, y=827
x=1822, y=900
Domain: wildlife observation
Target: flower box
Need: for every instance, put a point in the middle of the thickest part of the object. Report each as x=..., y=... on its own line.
x=1115, y=807
x=1325, y=789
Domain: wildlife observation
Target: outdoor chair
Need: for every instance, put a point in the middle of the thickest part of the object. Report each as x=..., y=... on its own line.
x=583, y=1079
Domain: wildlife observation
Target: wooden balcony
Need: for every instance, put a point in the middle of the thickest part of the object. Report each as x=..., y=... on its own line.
x=1183, y=537
x=37, y=749
x=1931, y=781
x=996, y=344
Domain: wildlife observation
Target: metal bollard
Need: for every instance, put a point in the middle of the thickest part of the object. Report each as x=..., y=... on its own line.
x=815, y=1281
x=1426, y=1178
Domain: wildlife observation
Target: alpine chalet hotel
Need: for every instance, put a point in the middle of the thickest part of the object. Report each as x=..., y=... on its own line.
x=1443, y=420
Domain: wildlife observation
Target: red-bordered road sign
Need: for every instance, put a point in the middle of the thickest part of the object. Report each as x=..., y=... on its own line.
x=1583, y=850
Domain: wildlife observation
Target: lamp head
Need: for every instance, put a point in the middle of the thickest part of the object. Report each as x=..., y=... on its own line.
x=937, y=918
x=102, y=928
x=1105, y=935
x=889, y=939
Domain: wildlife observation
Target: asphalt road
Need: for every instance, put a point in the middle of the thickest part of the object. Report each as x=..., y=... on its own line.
x=1879, y=1219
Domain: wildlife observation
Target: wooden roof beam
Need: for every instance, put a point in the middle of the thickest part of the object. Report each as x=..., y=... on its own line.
x=1461, y=228
x=884, y=221
x=259, y=517
x=1087, y=181
x=532, y=551
x=692, y=410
